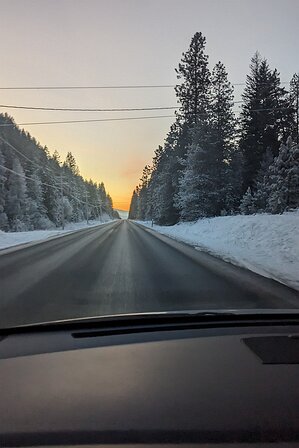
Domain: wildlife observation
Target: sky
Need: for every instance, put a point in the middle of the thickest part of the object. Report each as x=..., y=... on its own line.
x=126, y=42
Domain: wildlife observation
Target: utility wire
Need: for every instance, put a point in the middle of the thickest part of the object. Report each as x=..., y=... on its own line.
x=24, y=156
x=157, y=86
x=88, y=87
x=79, y=109
x=28, y=177
x=123, y=118
x=86, y=121
x=75, y=109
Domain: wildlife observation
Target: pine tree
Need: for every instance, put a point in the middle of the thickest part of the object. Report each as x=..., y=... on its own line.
x=294, y=104
x=197, y=195
x=3, y=193
x=193, y=95
x=133, y=206
x=17, y=199
x=233, y=178
x=56, y=157
x=36, y=208
x=262, y=183
x=284, y=178
x=247, y=206
x=262, y=124
x=143, y=193
x=70, y=163
x=223, y=123
x=193, y=92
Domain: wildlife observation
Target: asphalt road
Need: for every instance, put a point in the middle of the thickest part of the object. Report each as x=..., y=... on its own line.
x=122, y=267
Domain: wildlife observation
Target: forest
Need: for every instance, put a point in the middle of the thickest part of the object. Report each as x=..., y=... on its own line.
x=39, y=190
x=217, y=161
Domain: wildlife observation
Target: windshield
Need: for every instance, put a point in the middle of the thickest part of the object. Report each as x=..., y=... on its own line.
x=149, y=158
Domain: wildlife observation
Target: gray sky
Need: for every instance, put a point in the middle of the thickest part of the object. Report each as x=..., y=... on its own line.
x=118, y=42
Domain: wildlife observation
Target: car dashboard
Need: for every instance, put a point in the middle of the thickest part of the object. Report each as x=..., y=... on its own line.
x=198, y=382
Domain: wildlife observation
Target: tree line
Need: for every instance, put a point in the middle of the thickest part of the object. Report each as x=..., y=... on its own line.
x=214, y=163
x=38, y=190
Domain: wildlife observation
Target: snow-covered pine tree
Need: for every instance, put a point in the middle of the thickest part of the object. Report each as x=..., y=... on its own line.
x=294, y=103
x=262, y=184
x=197, y=195
x=224, y=129
x=51, y=178
x=233, y=178
x=143, y=192
x=193, y=93
x=3, y=193
x=247, y=206
x=284, y=178
x=36, y=208
x=17, y=199
x=262, y=117
x=133, y=206
x=164, y=212
x=71, y=164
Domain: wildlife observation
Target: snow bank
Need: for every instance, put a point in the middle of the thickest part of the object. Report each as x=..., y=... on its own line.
x=8, y=239
x=265, y=244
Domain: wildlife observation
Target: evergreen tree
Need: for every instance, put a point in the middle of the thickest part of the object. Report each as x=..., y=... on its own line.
x=3, y=193
x=194, y=91
x=284, y=178
x=70, y=163
x=197, y=196
x=223, y=123
x=17, y=199
x=36, y=208
x=262, y=183
x=56, y=157
x=164, y=212
x=294, y=104
x=233, y=178
x=144, y=199
x=133, y=206
x=193, y=95
x=247, y=206
x=262, y=124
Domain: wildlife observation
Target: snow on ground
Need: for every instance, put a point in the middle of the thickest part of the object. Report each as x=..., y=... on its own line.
x=8, y=239
x=265, y=244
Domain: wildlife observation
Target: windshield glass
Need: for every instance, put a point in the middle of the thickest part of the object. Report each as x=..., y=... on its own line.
x=149, y=158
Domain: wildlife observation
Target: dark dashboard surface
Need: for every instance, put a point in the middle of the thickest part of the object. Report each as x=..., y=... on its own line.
x=188, y=385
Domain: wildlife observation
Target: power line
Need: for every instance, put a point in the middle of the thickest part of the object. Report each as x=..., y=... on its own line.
x=28, y=177
x=75, y=109
x=122, y=118
x=150, y=86
x=86, y=121
x=24, y=156
x=162, y=86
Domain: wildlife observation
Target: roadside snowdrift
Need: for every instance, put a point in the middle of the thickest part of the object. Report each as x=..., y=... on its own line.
x=265, y=244
x=8, y=239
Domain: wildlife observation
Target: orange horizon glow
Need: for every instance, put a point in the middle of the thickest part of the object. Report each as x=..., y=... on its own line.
x=122, y=205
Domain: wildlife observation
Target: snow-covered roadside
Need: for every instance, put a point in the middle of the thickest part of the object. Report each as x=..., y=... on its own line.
x=265, y=244
x=9, y=239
